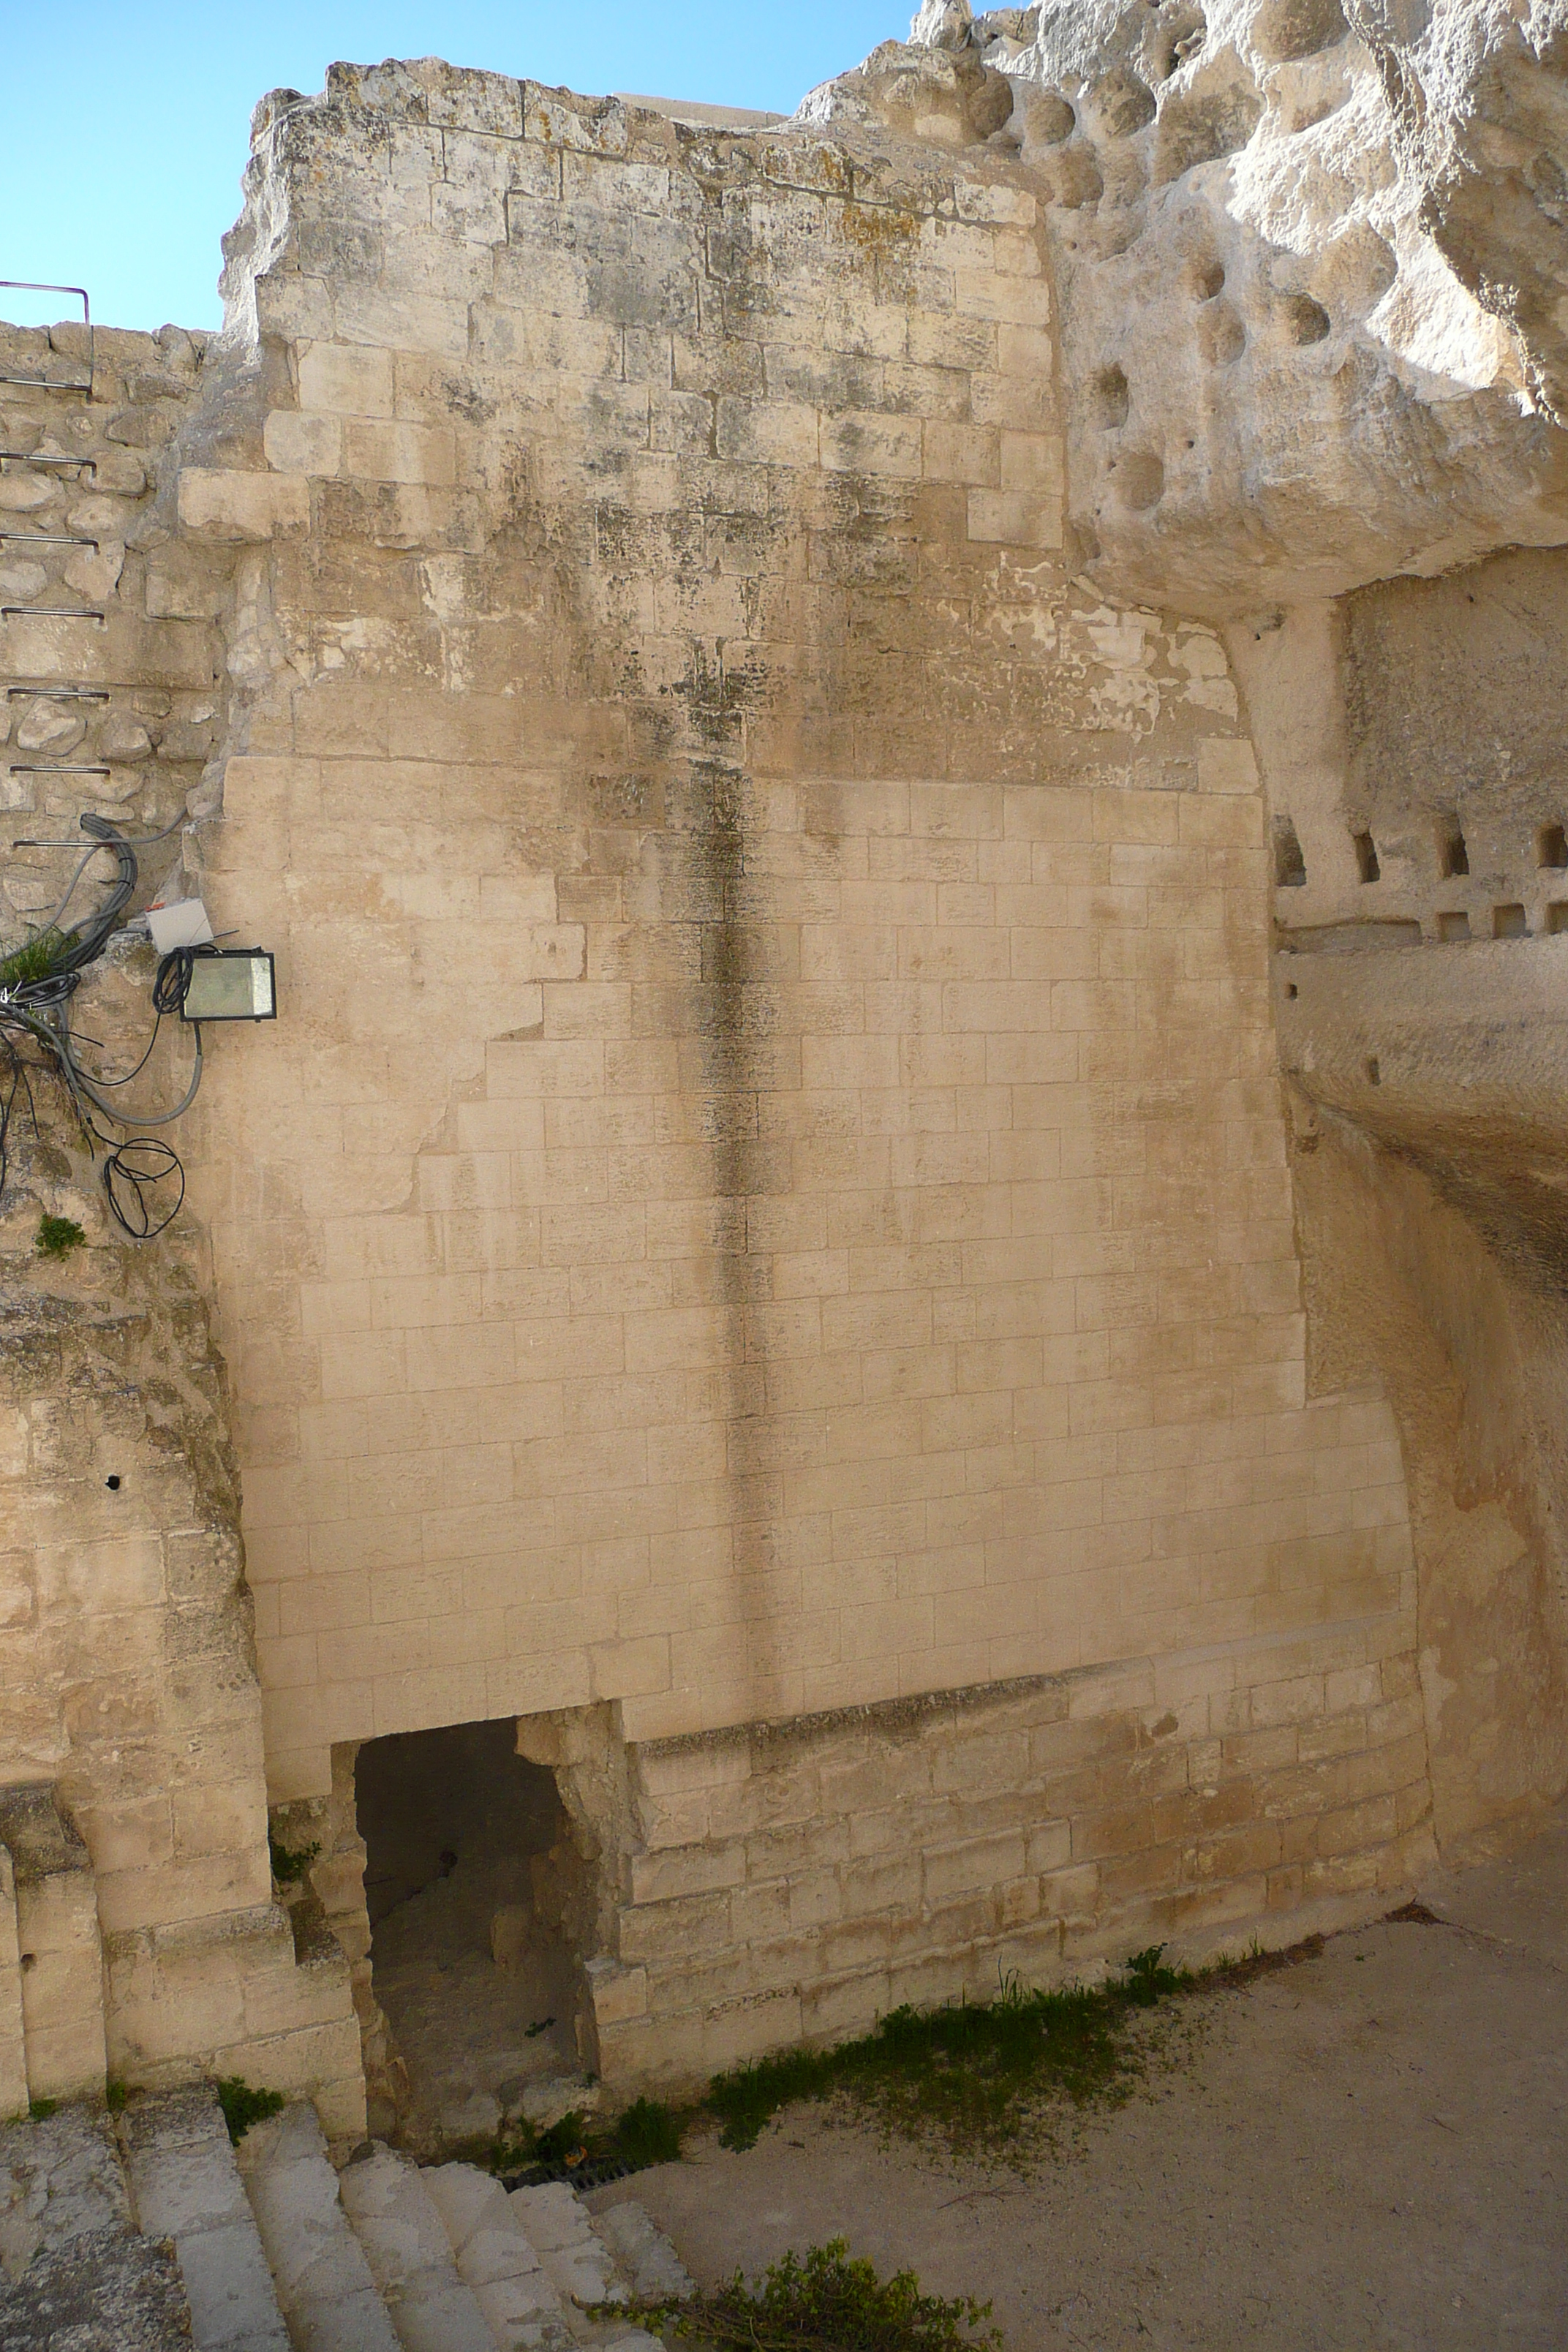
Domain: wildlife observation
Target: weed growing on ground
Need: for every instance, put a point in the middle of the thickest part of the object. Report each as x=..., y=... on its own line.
x=648, y=2132
x=1146, y=1979
x=824, y=2301
x=974, y=2076
x=977, y=2079
x=243, y=2104
x=40, y=2110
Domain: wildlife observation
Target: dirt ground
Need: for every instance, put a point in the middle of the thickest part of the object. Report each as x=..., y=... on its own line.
x=1369, y=2148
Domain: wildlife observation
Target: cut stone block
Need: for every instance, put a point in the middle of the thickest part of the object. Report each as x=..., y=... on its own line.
x=579, y=2265
x=643, y=2254
x=405, y=2243
x=497, y=2260
x=185, y=2186
x=328, y=2295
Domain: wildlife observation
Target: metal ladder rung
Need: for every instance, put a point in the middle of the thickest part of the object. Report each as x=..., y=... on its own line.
x=49, y=613
x=61, y=693
x=47, y=457
x=52, y=382
x=44, y=538
x=52, y=768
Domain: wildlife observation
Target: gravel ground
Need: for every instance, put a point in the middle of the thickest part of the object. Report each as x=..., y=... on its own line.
x=1369, y=2148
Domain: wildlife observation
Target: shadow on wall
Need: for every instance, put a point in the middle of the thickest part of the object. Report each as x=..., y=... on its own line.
x=1399, y=1287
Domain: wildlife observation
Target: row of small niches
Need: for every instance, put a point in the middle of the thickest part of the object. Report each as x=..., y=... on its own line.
x=1508, y=923
x=1453, y=861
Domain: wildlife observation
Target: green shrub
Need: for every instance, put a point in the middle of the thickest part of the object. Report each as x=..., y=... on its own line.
x=829, y=2303
x=243, y=2104
x=648, y=2132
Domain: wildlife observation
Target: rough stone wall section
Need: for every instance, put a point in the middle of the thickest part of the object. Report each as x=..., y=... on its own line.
x=130, y=1697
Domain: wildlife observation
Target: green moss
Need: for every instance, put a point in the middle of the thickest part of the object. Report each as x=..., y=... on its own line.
x=57, y=1236
x=243, y=2104
x=825, y=2302
x=40, y=2110
x=290, y=1863
x=115, y=2095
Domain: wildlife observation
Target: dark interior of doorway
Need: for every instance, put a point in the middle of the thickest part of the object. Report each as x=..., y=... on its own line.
x=479, y=1991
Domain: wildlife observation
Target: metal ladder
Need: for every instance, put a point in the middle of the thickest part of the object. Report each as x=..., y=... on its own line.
x=45, y=460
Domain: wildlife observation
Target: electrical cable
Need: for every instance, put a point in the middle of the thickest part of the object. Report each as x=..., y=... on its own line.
x=172, y=981
x=37, y=1007
x=140, y=1118
x=97, y=1076
x=120, y=1166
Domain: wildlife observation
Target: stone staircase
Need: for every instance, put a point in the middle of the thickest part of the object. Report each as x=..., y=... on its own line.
x=151, y=2231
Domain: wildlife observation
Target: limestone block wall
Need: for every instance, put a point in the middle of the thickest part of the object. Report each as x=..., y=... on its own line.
x=800, y=1882
x=769, y=1195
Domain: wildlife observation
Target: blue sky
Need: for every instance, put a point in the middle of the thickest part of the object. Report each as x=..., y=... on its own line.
x=124, y=128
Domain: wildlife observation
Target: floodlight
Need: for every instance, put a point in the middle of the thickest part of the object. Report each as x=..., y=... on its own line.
x=229, y=984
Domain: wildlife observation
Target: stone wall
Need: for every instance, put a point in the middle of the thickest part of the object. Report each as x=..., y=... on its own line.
x=767, y=1244
x=1408, y=742
x=769, y=1195
x=141, y=1926
x=797, y=1882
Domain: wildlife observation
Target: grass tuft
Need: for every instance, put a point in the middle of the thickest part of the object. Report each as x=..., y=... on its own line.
x=827, y=2301
x=243, y=2104
x=648, y=2132
x=57, y=1236
x=34, y=960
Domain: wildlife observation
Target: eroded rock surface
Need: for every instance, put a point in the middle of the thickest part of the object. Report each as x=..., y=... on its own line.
x=1313, y=271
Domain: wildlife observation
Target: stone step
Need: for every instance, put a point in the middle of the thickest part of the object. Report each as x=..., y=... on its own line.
x=387, y=2257
x=185, y=2186
x=327, y=2294
x=642, y=2253
x=497, y=2259
x=578, y=2264
x=406, y=2242
x=75, y=2270
x=158, y=2237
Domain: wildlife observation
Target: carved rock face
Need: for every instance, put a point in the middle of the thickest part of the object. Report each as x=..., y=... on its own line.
x=945, y=96
x=1321, y=245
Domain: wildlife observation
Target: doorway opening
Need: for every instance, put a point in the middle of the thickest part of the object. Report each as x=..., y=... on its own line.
x=463, y=1840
